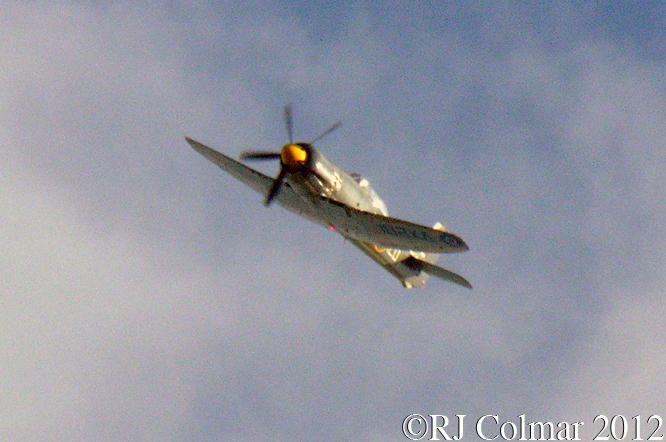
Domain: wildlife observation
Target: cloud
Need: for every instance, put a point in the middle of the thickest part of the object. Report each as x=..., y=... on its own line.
x=148, y=296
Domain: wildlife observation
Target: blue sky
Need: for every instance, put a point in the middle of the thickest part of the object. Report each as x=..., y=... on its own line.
x=148, y=296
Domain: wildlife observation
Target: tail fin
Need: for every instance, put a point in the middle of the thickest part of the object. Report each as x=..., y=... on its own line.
x=432, y=258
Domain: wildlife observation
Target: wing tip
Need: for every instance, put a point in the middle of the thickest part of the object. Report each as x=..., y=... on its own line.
x=456, y=242
x=201, y=148
x=193, y=144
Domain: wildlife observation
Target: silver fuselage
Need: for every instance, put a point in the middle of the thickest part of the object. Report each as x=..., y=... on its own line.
x=323, y=178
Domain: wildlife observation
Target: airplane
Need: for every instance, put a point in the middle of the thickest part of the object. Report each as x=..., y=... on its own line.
x=312, y=187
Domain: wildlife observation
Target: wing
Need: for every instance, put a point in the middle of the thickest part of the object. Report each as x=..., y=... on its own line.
x=385, y=231
x=261, y=183
x=248, y=176
x=352, y=223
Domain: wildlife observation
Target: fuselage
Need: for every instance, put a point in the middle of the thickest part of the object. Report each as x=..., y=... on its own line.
x=320, y=177
x=312, y=187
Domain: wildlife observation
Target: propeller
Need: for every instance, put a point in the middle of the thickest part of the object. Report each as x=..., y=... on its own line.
x=259, y=155
x=326, y=132
x=292, y=156
x=277, y=185
x=288, y=121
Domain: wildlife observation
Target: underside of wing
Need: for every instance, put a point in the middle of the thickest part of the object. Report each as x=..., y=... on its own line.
x=256, y=180
x=261, y=183
x=385, y=231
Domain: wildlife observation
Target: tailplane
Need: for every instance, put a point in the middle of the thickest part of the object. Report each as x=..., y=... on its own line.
x=428, y=266
x=438, y=272
x=418, y=266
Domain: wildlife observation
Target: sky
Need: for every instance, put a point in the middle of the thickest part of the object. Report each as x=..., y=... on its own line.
x=146, y=295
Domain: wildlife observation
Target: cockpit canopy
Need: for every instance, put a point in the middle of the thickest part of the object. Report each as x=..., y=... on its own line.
x=377, y=202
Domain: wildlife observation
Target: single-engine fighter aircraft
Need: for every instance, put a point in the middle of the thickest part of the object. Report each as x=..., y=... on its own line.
x=311, y=186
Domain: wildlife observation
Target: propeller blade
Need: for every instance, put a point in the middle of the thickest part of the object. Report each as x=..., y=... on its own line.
x=276, y=186
x=259, y=155
x=326, y=132
x=288, y=122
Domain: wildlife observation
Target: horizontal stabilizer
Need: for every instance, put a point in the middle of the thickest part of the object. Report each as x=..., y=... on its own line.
x=437, y=272
x=446, y=275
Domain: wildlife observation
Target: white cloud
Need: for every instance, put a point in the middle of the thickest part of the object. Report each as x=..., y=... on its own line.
x=148, y=296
